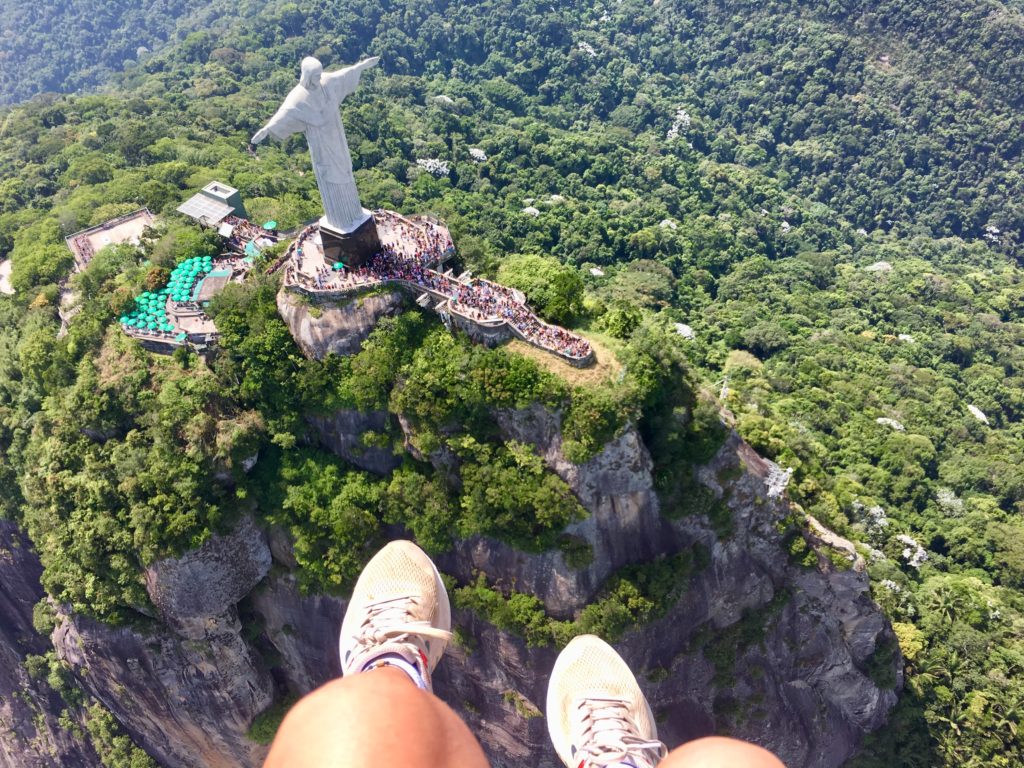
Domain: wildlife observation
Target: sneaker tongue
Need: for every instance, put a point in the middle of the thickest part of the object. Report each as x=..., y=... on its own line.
x=407, y=656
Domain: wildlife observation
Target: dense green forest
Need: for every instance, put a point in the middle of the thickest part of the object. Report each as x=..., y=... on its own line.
x=69, y=45
x=829, y=194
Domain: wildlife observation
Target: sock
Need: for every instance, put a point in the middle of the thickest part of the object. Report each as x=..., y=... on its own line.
x=395, y=660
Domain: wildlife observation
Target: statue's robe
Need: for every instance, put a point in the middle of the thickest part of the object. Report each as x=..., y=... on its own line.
x=315, y=112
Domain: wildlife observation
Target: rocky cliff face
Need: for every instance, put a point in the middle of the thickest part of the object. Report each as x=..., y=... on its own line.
x=624, y=525
x=30, y=734
x=335, y=328
x=344, y=431
x=760, y=647
x=757, y=647
x=188, y=687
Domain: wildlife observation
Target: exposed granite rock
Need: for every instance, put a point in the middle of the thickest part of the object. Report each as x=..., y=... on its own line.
x=800, y=688
x=186, y=688
x=342, y=432
x=281, y=547
x=794, y=679
x=303, y=629
x=624, y=525
x=187, y=702
x=335, y=328
x=803, y=689
x=208, y=581
x=30, y=736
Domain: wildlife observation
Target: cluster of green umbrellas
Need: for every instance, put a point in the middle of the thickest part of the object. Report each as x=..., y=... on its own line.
x=149, y=313
x=185, y=275
x=338, y=265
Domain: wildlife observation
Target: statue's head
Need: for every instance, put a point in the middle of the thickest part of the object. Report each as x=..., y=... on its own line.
x=311, y=71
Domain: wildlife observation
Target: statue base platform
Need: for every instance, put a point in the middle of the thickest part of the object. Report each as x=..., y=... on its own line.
x=353, y=248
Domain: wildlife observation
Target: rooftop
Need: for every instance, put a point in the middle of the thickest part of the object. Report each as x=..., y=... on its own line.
x=205, y=209
x=123, y=229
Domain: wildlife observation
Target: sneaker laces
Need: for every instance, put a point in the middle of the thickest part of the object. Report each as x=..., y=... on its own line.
x=390, y=621
x=609, y=736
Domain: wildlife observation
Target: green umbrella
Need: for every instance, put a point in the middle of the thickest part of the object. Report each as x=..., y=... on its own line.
x=270, y=225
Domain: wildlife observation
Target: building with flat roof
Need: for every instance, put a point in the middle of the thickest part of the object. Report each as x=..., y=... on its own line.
x=124, y=229
x=214, y=203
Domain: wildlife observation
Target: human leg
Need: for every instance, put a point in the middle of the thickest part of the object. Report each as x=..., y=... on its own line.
x=376, y=718
x=382, y=712
x=719, y=752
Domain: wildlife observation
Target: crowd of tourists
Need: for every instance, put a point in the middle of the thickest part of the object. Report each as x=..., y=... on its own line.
x=425, y=242
x=408, y=253
x=83, y=246
x=244, y=232
x=481, y=300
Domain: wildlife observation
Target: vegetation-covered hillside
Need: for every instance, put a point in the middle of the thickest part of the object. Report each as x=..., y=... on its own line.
x=828, y=194
x=67, y=45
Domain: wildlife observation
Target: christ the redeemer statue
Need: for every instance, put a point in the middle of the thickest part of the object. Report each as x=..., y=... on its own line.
x=312, y=108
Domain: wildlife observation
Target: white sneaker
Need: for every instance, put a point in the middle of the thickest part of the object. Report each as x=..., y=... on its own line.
x=597, y=714
x=399, y=615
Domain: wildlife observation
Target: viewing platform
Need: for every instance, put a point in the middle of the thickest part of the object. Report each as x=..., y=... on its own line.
x=123, y=229
x=413, y=254
x=175, y=316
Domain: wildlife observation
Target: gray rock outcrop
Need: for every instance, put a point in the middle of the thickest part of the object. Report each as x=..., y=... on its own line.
x=335, y=328
x=344, y=432
x=187, y=688
x=624, y=525
x=757, y=647
x=187, y=702
x=30, y=733
x=209, y=581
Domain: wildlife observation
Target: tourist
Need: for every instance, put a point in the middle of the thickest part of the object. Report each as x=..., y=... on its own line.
x=409, y=251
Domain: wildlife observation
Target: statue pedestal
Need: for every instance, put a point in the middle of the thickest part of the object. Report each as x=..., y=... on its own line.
x=353, y=248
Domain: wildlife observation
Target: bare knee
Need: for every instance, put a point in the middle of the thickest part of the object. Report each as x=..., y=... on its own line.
x=720, y=752
x=375, y=718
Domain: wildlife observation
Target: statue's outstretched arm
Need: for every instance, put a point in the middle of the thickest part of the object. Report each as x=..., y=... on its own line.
x=282, y=125
x=345, y=80
x=260, y=135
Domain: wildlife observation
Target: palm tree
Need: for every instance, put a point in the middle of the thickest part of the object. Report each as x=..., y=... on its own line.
x=946, y=602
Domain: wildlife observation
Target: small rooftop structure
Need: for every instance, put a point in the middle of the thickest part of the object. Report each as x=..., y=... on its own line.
x=977, y=413
x=123, y=229
x=213, y=203
x=885, y=421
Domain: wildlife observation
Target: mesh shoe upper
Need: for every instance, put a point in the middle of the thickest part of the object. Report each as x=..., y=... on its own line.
x=597, y=715
x=399, y=605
